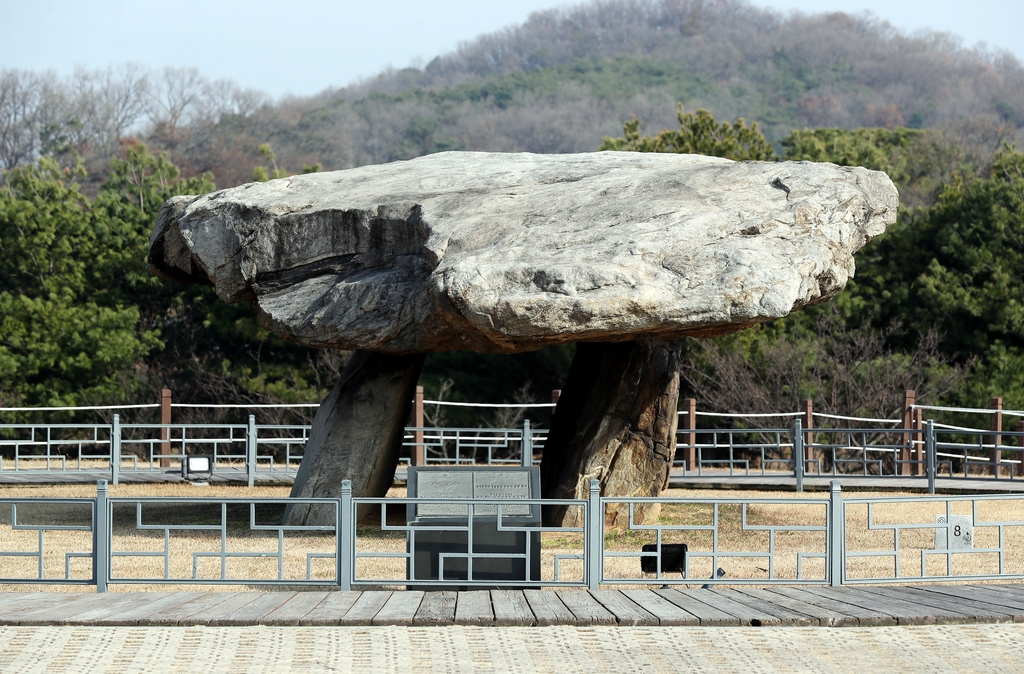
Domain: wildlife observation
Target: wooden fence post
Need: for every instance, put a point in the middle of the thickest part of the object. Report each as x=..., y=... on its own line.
x=419, y=453
x=690, y=423
x=996, y=426
x=165, y=433
x=556, y=393
x=809, y=454
x=918, y=441
x=907, y=451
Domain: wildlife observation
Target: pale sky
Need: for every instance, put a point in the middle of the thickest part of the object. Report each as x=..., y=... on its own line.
x=304, y=46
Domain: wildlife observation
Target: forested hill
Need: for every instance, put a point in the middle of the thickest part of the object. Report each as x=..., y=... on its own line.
x=937, y=304
x=557, y=83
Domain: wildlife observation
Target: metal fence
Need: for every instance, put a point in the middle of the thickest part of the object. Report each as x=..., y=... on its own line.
x=927, y=453
x=254, y=452
x=250, y=452
x=371, y=542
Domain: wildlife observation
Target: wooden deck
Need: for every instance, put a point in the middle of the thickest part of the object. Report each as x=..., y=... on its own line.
x=795, y=606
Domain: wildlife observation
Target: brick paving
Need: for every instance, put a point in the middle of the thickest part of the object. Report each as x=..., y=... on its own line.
x=985, y=648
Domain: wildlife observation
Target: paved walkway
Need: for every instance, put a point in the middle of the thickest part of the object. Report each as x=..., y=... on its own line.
x=989, y=648
x=778, y=606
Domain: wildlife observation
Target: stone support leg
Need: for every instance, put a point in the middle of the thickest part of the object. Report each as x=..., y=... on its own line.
x=615, y=421
x=357, y=433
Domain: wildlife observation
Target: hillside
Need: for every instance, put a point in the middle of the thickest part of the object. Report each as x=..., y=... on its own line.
x=560, y=82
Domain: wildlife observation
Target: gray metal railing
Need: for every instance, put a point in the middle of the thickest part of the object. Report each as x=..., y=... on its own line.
x=253, y=452
x=828, y=540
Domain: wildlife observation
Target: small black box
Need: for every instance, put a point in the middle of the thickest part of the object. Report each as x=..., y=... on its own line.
x=673, y=558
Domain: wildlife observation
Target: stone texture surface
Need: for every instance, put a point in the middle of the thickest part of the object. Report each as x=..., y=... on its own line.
x=511, y=252
x=615, y=421
x=357, y=433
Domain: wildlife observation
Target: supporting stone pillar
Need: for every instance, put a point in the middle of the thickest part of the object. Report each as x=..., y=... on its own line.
x=996, y=426
x=357, y=433
x=616, y=421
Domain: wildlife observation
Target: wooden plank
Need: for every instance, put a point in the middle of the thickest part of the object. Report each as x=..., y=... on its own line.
x=399, y=609
x=210, y=613
x=665, y=611
x=981, y=606
x=816, y=615
x=510, y=608
x=586, y=609
x=994, y=589
x=744, y=612
x=947, y=605
x=903, y=612
x=940, y=615
x=437, y=608
x=707, y=615
x=474, y=608
x=366, y=606
x=181, y=614
x=253, y=612
x=128, y=612
x=786, y=615
x=61, y=610
x=332, y=609
x=15, y=601
x=22, y=602
x=845, y=614
x=548, y=609
x=295, y=609
x=133, y=616
x=624, y=610
x=992, y=594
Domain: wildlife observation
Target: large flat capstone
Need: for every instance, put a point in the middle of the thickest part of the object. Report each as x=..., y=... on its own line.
x=512, y=252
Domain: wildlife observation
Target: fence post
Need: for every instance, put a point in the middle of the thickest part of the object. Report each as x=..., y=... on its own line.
x=919, y=455
x=690, y=424
x=808, y=410
x=929, y=452
x=165, y=432
x=1020, y=454
x=997, y=433
x=250, y=450
x=837, y=534
x=100, y=538
x=346, y=525
x=902, y=466
x=595, y=537
x=418, y=455
x=527, y=444
x=798, y=454
x=115, y=449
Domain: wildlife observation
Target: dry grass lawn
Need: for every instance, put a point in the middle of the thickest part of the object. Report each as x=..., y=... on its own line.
x=769, y=526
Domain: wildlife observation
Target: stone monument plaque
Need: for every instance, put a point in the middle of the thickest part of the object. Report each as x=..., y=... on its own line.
x=956, y=534
x=439, y=540
x=442, y=484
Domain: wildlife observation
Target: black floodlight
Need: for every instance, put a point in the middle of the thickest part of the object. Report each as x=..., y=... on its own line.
x=673, y=558
x=197, y=467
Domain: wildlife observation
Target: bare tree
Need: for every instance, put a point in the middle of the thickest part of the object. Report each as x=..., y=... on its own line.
x=849, y=372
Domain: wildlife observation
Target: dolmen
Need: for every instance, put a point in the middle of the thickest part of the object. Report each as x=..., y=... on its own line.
x=622, y=253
